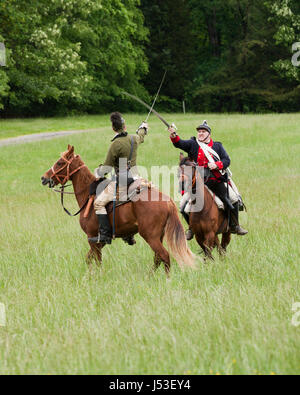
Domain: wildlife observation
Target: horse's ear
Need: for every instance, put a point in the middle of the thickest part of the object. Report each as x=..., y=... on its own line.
x=71, y=149
x=181, y=157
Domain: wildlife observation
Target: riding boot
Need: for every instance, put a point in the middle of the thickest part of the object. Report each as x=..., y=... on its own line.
x=105, y=233
x=235, y=227
x=189, y=234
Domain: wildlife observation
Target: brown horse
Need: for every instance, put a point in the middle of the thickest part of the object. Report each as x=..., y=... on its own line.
x=153, y=220
x=209, y=221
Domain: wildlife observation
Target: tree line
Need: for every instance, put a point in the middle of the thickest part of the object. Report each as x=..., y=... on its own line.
x=77, y=56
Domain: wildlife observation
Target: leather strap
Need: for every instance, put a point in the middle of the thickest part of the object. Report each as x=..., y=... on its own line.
x=131, y=153
x=67, y=211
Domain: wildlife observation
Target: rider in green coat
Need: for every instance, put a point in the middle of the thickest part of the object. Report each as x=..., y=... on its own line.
x=122, y=148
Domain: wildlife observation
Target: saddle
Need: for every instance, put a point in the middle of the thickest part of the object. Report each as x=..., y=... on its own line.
x=134, y=189
x=217, y=200
x=233, y=196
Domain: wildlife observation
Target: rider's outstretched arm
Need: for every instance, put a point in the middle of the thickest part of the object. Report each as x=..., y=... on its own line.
x=185, y=145
x=142, y=132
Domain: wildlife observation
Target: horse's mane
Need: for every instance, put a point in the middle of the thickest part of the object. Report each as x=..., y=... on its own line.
x=83, y=176
x=185, y=161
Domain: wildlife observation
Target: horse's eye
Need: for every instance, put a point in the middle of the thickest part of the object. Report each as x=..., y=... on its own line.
x=60, y=163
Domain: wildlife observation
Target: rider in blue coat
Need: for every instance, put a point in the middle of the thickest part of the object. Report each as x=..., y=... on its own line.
x=214, y=160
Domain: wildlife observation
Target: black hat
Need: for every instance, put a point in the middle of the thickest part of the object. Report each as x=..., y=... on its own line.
x=205, y=127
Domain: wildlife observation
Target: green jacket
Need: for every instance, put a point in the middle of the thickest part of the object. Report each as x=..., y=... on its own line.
x=120, y=148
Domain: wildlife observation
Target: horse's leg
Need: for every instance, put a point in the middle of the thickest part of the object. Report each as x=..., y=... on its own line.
x=221, y=250
x=98, y=254
x=157, y=262
x=200, y=240
x=95, y=254
x=160, y=252
x=209, y=243
x=157, y=258
x=89, y=259
x=226, y=237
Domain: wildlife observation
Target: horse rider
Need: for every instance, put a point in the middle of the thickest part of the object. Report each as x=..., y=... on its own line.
x=213, y=157
x=122, y=151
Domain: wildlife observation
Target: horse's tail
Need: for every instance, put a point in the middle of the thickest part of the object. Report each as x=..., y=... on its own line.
x=175, y=237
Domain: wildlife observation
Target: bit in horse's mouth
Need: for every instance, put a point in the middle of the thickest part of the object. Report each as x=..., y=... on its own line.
x=46, y=181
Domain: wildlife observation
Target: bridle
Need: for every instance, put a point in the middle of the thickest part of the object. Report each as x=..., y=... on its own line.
x=65, y=180
x=192, y=180
x=68, y=175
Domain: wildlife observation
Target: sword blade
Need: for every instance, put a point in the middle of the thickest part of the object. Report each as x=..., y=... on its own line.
x=147, y=106
x=161, y=84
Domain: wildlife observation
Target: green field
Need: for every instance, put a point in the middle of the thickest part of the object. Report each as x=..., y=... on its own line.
x=232, y=316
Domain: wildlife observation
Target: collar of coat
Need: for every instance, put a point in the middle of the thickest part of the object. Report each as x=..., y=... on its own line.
x=122, y=134
x=210, y=144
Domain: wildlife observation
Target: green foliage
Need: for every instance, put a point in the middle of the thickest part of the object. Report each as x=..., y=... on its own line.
x=75, y=54
x=44, y=67
x=237, y=71
x=286, y=13
x=3, y=79
x=171, y=46
x=112, y=39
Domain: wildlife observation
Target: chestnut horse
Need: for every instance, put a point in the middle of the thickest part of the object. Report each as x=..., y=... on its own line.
x=208, y=222
x=153, y=220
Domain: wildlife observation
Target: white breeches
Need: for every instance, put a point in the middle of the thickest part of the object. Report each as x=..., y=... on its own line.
x=107, y=196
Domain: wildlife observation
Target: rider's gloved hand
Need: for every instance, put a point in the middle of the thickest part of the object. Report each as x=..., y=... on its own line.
x=144, y=125
x=172, y=130
x=212, y=166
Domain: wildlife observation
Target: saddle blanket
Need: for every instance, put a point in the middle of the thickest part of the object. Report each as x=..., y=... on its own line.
x=234, y=198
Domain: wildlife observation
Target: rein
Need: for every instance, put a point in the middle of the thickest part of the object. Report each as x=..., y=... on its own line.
x=60, y=188
x=66, y=210
x=193, y=178
x=65, y=180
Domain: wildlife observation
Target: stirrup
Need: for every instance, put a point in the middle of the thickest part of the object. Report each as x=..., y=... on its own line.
x=98, y=239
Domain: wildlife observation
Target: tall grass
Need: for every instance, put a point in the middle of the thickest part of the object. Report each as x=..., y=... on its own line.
x=230, y=316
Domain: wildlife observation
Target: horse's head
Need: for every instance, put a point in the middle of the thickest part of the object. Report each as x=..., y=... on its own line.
x=62, y=170
x=186, y=172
